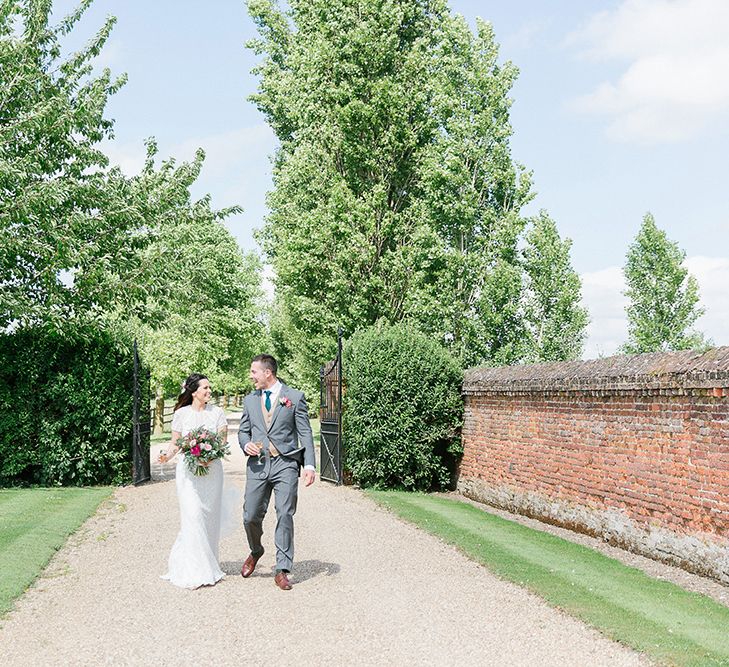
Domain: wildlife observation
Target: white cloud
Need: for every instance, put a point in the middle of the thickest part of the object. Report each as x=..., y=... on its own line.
x=676, y=56
x=110, y=56
x=226, y=154
x=128, y=157
x=227, y=151
x=602, y=295
x=608, y=328
x=268, y=276
x=712, y=274
x=524, y=37
x=232, y=168
x=232, y=171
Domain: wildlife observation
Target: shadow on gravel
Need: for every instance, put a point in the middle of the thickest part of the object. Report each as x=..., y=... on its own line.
x=308, y=569
x=303, y=570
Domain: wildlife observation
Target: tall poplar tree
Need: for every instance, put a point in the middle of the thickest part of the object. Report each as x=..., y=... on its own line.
x=470, y=291
x=345, y=87
x=555, y=320
x=664, y=297
x=395, y=194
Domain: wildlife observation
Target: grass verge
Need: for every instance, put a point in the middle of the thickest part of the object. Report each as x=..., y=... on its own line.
x=159, y=438
x=660, y=619
x=34, y=524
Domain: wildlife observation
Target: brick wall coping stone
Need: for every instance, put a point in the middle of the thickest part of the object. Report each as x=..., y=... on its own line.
x=678, y=371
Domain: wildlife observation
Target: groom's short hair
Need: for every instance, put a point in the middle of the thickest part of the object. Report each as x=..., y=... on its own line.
x=267, y=361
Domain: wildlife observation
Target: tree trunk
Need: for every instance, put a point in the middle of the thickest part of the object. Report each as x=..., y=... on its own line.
x=159, y=411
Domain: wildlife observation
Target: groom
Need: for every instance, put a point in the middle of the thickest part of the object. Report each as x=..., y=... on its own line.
x=276, y=434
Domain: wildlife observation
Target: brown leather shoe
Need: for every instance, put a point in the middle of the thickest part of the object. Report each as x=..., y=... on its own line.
x=249, y=564
x=282, y=581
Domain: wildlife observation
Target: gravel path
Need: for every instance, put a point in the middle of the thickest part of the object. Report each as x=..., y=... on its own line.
x=369, y=589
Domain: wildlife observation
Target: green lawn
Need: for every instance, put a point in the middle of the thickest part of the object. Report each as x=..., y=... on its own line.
x=669, y=624
x=34, y=524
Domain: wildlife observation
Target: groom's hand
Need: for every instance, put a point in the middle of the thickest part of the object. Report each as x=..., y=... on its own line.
x=309, y=477
x=251, y=449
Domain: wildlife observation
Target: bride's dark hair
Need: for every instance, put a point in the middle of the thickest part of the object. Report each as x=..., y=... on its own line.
x=189, y=387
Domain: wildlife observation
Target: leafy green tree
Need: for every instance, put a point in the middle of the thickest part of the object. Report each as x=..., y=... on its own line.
x=396, y=196
x=663, y=296
x=337, y=88
x=62, y=214
x=82, y=242
x=554, y=317
x=210, y=316
x=74, y=230
x=471, y=289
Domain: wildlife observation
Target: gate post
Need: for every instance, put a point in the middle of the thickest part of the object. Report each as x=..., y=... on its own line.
x=340, y=373
x=141, y=427
x=330, y=417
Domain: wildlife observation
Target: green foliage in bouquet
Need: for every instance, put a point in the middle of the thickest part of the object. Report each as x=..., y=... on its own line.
x=65, y=408
x=403, y=409
x=200, y=447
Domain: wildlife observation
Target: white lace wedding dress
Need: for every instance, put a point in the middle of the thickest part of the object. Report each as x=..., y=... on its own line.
x=193, y=561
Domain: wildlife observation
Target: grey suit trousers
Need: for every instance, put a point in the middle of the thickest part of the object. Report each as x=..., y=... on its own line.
x=280, y=475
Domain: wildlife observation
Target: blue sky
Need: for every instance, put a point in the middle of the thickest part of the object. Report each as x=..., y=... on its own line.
x=620, y=108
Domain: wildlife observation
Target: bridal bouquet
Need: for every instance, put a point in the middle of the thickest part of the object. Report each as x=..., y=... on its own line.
x=201, y=446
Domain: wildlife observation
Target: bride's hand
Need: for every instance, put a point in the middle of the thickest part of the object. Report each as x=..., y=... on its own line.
x=165, y=456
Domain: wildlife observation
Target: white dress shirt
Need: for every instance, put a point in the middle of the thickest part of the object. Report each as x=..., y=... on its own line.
x=275, y=390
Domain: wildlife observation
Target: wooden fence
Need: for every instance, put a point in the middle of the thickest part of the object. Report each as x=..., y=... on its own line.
x=166, y=408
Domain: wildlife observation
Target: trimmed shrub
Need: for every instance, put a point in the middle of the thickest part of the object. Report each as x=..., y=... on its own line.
x=402, y=409
x=65, y=408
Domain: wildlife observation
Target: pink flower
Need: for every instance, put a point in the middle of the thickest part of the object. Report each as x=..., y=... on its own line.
x=193, y=442
x=208, y=447
x=195, y=451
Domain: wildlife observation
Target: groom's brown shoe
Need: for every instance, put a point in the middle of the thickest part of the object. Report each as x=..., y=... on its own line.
x=282, y=581
x=249, y=564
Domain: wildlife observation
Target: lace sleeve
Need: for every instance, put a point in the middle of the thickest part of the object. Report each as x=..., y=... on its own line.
x=222, y=422
x=178, y=420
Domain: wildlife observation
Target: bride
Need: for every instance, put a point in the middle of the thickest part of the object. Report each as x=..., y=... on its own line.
x=193, y=561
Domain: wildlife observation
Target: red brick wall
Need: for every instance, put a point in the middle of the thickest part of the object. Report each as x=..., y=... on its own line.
x=663, y=460
x=637, y=459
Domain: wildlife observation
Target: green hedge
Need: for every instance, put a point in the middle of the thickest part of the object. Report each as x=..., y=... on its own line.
x=403, y=409
x=65, y=408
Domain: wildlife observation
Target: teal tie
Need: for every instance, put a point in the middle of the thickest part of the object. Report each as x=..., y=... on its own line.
x=268, y=400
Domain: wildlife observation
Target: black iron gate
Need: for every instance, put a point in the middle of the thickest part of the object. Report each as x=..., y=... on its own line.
x=142, y=417
x=330, y=417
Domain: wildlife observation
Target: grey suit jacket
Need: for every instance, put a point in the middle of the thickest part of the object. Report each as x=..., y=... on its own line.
x=290, y=430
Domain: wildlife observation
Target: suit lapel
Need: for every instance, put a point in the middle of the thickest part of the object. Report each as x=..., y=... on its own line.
x=278, y=407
